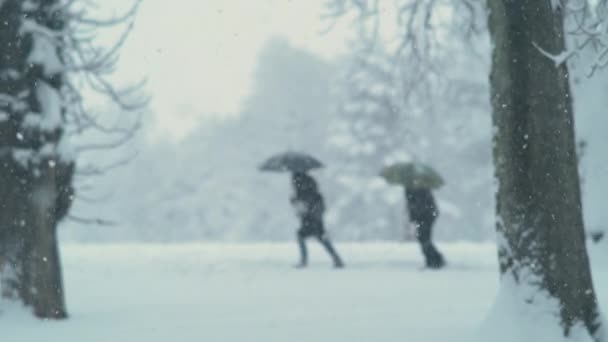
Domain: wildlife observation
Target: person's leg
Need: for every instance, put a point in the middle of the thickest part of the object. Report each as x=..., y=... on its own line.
x=303, y=251
x=423, y=237
x=433, y=259
x=324, y=240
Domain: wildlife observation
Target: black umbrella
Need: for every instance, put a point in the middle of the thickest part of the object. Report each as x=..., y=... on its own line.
x=292, y=162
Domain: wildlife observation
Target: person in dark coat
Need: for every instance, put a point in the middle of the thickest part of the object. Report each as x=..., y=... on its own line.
x=310, y=207
x=423, y=213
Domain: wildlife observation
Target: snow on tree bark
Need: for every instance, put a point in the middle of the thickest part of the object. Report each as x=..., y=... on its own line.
x=35, y=178
x=540, y=225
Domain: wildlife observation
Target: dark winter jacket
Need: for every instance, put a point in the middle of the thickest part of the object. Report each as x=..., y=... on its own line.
x=307, y=199
x=421, y=204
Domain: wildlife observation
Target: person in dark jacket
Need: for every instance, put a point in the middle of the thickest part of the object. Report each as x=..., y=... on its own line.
x=310, y=207
x=423, y=213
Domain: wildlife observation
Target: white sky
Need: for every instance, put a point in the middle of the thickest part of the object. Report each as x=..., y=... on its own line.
x=199, y=55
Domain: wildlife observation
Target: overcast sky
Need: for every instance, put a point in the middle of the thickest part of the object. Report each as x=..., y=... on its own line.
x=199, y=55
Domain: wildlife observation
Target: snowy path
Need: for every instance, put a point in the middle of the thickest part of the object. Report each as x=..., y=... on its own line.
x=239, y=292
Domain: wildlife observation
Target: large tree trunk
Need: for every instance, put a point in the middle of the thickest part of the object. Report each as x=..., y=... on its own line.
x=540, y=225
x=35, y=179
x=45, y=290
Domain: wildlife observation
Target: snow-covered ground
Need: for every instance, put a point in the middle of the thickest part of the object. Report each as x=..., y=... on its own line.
x=250, y=292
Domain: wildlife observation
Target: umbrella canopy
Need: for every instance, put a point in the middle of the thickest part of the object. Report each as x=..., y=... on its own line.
x=412, y=175
x=292, y=162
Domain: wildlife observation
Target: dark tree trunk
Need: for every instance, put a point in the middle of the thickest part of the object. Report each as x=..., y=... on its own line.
x=540, y=225
x=35, y=178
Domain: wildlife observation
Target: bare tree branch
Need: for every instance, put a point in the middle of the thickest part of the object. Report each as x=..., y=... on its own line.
x=90, y=221
x=96, y=170
x=81, y=16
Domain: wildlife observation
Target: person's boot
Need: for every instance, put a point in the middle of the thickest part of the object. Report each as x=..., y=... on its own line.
x=433, y=259
x=331, y=251
x=436, y=262
x=338, y=263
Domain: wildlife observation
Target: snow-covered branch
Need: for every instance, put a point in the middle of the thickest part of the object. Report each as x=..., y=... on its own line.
x=558, y=59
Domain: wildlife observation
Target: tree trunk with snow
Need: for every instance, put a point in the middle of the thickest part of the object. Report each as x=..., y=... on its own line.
x=35, y=175
x=542, y=251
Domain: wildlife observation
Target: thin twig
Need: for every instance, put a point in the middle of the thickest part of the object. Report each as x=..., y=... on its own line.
x=91, y=221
